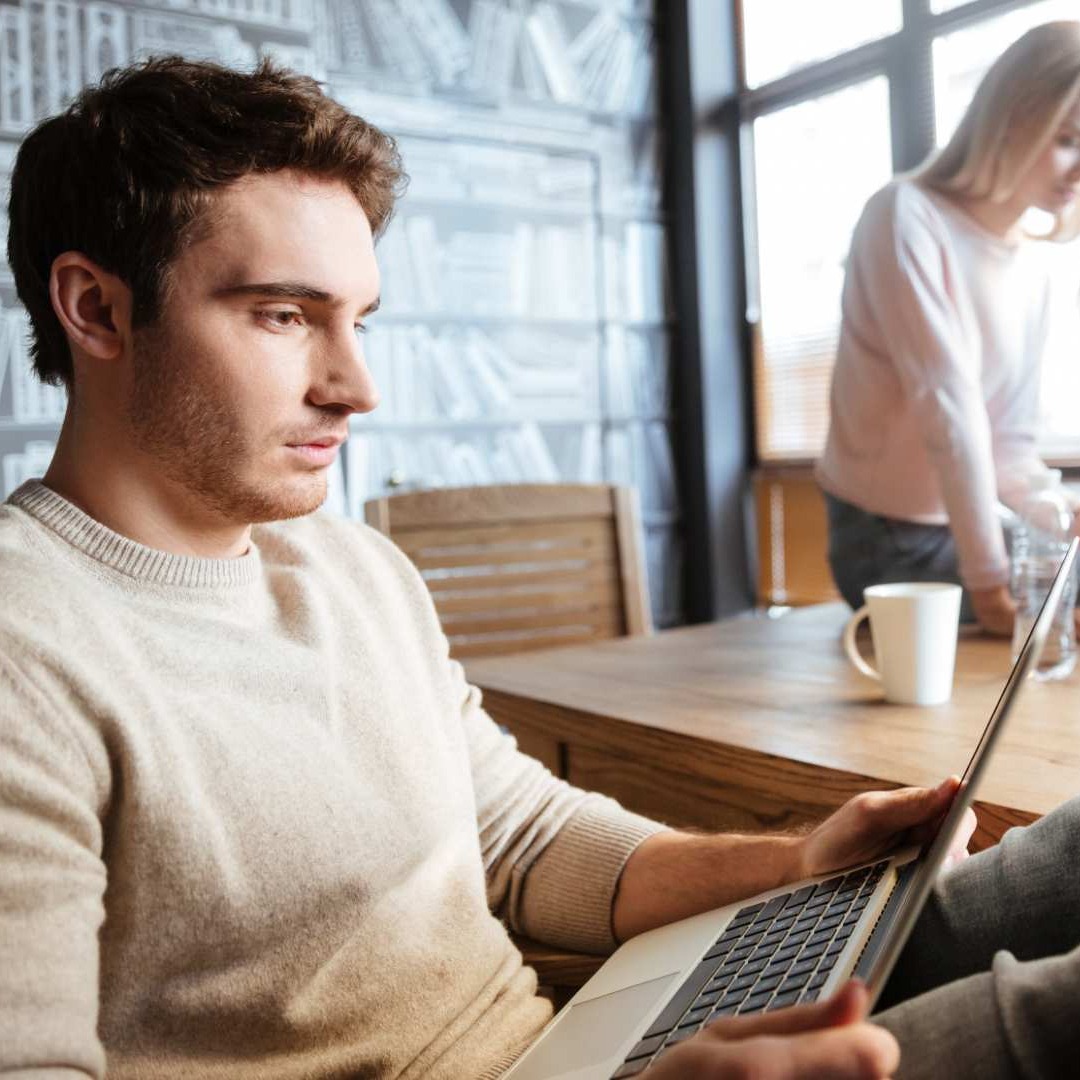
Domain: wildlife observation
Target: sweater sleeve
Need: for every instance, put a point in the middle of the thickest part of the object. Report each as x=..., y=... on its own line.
x=1016, y=456
x=552, y=853
x=1017, y=1020
x=909, y=283
x=51, y=896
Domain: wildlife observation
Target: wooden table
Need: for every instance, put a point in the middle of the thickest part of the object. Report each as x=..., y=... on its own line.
x=759, y=722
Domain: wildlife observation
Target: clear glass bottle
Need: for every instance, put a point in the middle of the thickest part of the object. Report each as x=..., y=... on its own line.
x=1040, y=538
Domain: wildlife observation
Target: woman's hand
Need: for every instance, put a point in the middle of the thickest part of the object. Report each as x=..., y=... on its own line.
x=994, y=608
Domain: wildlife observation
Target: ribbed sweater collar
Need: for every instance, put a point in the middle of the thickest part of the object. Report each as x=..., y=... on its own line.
x=132, y=559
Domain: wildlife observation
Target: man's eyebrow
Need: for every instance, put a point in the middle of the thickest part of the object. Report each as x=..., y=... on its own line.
x=290, y=290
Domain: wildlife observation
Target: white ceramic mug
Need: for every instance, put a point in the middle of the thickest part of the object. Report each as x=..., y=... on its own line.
x=914, y=626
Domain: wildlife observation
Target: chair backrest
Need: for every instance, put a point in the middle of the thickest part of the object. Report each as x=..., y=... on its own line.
x=524, y=566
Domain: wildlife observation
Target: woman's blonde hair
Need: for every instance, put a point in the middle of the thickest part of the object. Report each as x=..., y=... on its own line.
x=1016, y=109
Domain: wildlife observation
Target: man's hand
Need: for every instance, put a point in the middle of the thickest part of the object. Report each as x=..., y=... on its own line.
x=994, y=608
x=673, y=875
x=825, y=1041
x=877, y=822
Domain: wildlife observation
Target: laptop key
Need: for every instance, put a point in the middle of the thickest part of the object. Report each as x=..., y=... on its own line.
x=756, y=1002
x=695, y=1016
x=812, y=951
x=818, y=980
x=743, y=982
x=786, y=953
x=769, y=982
x=797, y=937
x=804, y=967
x=682, y=1034
x=646, y=1048
x=794, y=982
x=829, y=886
x=808, y=996
x=752, y=966
x=749, y=911
x=783, y=1000
x=680, y=1002
x=772, y=907
x=631, y=1068
x=799, y=897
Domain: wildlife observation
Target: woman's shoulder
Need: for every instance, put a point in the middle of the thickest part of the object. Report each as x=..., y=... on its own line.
x=904, y=203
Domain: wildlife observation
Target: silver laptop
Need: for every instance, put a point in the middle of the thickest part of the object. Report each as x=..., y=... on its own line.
x=792, y=944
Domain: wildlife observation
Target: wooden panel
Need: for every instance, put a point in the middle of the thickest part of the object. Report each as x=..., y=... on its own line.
x=792, y=538
x=635, y=590
x=502, y=643
x=688, y=801
x=575, y=594
x=498, y=503
x=548, y=751
x=594, y=573
x=558, y=967
x=602, y=616
x=556, y=533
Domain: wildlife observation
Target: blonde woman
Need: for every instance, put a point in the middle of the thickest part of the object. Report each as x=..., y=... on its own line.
x=945, y=313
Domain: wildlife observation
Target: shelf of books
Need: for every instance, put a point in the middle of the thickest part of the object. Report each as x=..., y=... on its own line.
x=524, y=333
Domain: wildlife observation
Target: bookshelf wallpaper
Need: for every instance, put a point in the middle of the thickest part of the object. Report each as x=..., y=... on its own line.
x=524, y=331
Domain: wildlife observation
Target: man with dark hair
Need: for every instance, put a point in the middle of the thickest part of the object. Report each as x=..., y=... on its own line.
x=253, y=821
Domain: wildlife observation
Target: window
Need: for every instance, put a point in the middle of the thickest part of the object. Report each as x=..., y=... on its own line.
x=811, y=31
x=830, y=112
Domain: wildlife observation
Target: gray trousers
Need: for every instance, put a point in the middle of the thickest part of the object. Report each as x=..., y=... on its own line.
x=989, y=984
x=869, y=549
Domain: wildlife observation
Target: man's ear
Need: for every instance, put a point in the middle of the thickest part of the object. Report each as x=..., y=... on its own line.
x=93, y=306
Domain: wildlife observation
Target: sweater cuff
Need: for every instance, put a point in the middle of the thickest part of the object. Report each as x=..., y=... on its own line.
x=570, y=890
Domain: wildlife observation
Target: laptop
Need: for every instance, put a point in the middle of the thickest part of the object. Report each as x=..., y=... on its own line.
x=788, y=945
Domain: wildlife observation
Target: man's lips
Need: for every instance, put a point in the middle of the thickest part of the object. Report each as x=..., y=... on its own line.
x=323, y=441
x=320, y=450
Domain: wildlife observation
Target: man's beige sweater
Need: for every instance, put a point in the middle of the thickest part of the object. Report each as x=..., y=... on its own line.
x=254, y=823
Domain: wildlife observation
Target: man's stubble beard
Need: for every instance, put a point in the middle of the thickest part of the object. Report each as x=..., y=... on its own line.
x=195, y=435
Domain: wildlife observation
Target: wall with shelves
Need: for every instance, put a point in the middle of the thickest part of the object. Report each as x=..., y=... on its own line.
x=525, y=332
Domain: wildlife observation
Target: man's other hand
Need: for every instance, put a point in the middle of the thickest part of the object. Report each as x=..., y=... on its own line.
x=877, y=822
x=994, y=609
x=825, y=1041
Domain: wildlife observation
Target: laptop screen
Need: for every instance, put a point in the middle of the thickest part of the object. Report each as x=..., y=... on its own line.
x=933, y=855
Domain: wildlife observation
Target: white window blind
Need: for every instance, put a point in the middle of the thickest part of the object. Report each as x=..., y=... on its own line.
x=810, y=189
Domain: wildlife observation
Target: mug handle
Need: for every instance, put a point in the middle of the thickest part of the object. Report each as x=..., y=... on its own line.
x=852, y=649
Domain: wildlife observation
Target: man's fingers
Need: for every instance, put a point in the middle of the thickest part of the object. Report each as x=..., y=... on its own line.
x=845, y=1007
x=909, y=807
x=856, y=1052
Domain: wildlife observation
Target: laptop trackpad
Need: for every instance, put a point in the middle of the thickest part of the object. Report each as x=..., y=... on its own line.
x=592, y=1031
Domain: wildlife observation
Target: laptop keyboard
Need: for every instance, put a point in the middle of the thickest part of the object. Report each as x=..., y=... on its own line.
x=770, y=955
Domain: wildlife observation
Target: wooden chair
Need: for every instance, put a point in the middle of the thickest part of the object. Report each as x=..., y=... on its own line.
x=526, y=566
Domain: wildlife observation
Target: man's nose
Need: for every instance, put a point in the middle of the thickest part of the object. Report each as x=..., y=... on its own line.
x=343, y=379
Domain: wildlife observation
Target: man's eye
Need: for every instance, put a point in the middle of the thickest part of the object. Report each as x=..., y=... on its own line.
x=283, y=319
x=360, y=328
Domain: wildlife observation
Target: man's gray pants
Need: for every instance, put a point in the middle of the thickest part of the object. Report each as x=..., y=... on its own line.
x=989, y=984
